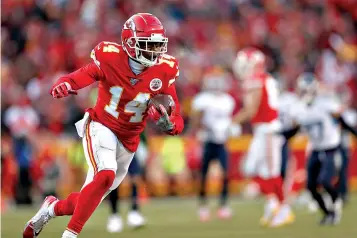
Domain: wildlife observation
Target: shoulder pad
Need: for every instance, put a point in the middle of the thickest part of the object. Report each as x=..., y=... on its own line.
x=171, y=66
x=105, y=52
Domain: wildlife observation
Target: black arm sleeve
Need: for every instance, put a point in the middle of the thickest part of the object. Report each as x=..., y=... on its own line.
x=347, y=127
x=290, y=132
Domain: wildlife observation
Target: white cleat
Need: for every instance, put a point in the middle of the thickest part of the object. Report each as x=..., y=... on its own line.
x=204, y=214
x=283, y=217
x=34, y=226
x=271, y=207
x=135, y=219
x=115, y=224
x=225, y=213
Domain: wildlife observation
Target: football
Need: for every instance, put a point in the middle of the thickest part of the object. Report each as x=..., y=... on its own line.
x=165, y=100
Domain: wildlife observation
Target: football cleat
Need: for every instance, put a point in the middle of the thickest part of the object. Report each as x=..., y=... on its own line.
x=283, y=217
x=329, y=219
x=270, y=210
x=224, y=213
x=136, y=219
x=35, y=225
x=115, y=224
x=204, y=214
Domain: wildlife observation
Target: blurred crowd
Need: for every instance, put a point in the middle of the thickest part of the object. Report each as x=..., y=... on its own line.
x=44, y=39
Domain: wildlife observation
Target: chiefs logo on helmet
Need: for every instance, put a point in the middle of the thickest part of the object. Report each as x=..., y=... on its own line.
x=144, y=38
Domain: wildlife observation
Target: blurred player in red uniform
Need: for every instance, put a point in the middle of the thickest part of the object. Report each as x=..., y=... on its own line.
x=264, y=157
x=128, y=75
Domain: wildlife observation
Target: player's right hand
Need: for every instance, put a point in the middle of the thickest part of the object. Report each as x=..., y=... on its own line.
x=62, y=90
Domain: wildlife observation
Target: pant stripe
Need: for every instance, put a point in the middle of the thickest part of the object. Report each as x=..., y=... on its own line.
x=90, y=149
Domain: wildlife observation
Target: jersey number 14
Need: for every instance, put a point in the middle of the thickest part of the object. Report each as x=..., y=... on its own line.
x=137, y=106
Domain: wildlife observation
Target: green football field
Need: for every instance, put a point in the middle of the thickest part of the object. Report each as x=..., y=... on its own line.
x=176, y=218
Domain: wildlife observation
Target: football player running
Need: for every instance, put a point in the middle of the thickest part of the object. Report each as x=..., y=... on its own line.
x=128, y=75
x=319, y=116
x=212, y=116
x=263, y=159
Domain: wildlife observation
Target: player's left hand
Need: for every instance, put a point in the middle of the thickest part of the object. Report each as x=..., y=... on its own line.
x=162, y=119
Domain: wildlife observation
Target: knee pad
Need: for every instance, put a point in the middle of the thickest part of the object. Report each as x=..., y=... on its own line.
x=105, y=177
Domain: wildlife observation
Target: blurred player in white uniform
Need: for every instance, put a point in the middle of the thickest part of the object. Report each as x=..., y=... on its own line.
x=212, y=115
x=320, y=117
x=263, y=159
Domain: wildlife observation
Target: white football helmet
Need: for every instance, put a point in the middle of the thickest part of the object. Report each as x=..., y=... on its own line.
x=248, y=61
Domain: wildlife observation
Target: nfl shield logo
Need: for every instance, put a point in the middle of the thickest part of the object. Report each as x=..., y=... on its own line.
x=134, y=81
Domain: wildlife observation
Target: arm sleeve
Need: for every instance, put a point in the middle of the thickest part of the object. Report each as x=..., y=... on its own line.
x=83, y=77
x=347, y=127
x=290, y=132
x=176, y=117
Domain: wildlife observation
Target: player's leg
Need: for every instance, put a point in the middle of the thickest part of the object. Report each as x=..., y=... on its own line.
x=53, y=207
x=135, y=219
x=115, y=223
x=100, y=146
x=102, y=149
x=254, y=166
x=313, y=170
x=204, y=212
x=284, y=158
x=343, y=173
x=327, y=172
x=224, y=211
x=325, y=178
x=284, y=213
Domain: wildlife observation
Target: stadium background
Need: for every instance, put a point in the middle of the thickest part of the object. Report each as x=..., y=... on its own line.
x=42, y=40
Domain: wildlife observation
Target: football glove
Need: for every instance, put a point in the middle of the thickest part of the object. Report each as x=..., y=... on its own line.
x=62, y=90
x=162, y=119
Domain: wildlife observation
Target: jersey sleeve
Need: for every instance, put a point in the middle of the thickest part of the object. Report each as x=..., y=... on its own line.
x=199, y=102
x=332, y=106
x=104, y=52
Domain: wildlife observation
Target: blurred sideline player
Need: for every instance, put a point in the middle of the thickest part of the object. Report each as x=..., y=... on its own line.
x=319, y=116
x=135, y=219
x=212, y=116
x=263, y=159
x=128, y=75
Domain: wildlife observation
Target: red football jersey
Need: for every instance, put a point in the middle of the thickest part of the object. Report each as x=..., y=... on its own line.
x=122, y=95
x=267, y=110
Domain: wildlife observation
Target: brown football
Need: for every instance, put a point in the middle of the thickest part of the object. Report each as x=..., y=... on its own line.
x=165, y=100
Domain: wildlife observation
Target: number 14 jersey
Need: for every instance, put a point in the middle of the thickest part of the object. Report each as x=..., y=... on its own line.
x=123, y=96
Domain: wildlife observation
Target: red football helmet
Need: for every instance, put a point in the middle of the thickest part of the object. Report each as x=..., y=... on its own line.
x=248, y=61
x=144, y=38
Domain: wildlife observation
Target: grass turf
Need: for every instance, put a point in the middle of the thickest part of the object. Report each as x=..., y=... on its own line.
x=176, y=218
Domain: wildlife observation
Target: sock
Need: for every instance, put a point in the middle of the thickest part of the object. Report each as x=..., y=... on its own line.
x=318, y=198
x=89, y=199
x=134, y=197
x=278, y=188
x=202, y=193
x=113, y=201
x=331, y=191
x=69, y=234
x=224, y=193
x=64, y=207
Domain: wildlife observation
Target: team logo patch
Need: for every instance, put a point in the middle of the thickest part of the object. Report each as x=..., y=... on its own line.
x=134, y=81
x=155, y=84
